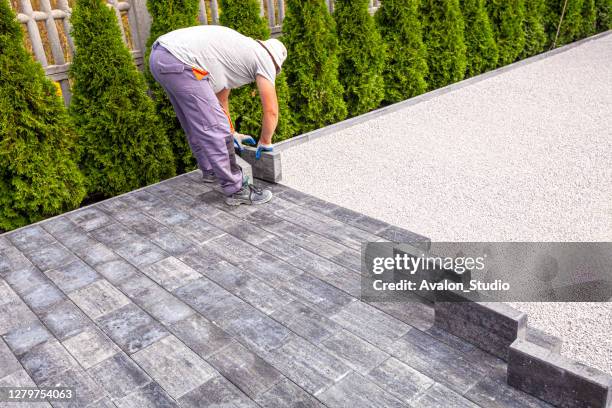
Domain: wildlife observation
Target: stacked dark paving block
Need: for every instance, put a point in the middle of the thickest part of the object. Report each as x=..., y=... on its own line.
x=166, y=297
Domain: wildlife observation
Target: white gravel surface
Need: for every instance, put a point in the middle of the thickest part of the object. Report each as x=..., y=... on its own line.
x=522, y=156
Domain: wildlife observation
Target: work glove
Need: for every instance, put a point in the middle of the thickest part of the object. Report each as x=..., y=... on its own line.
x=240, y=139
x=262, y=148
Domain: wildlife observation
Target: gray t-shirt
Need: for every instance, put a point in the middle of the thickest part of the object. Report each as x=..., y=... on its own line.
x=231, y=59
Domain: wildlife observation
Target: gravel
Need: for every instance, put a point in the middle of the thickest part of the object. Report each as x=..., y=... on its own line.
x=522, y=156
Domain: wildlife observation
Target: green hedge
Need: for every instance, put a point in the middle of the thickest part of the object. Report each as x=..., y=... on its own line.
x=508, y=18
x=39, y=176
x=482, y=53
x=124, y=145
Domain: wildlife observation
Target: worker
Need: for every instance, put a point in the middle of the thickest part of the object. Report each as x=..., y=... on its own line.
x=198, y=67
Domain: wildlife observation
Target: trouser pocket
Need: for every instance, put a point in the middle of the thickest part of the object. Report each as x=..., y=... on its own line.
x=170, y=68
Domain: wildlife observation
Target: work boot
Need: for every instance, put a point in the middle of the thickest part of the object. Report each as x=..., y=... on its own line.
x=209, y=177
x=249, y=194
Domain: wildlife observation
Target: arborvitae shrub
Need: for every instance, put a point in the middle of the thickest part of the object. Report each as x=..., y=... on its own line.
x=533, y=26
x=245, y=104
x=589, y=18
x=507, y=18
x=124, y=145
x=166, y=16
x=604, y=15
x=39, y=176
x=444, y=37
x=482, y=53
x=362, y=56
x=571, y=25
x=406, y=61
x=316, y=95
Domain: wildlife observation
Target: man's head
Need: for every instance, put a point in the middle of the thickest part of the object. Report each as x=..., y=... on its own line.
x=277, y=51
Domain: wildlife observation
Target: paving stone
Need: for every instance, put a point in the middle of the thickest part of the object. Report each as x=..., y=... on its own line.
x=114, y=235
x=43, y=296
x=139, y=222
x=201, y=335
x=140, y=199
x=113, y=206
x=415, y=314
x=119, y=375
x=98, y=299
x=165, y=307
x=399, y=379
x=310, y=367
x=358, y=354
x=245, y=369
x=172, y=243
x=150, y=396
x=90, y=218
x=268, y=268
x=198, y=230
x=131, y=328
x=75, y=275
x=98, y=254
x=396, y=234
x=46, y=361
x=102, y=403
x=252, y=290
x=117, y=271
x=30, y=238
x=453, y=341
x=306, y=322
x=440, y=396
x=199, y=258
x=7, y=294
x=23, y=338
x=208, y=298
x=346, y=280
x=50, y=256
x=12, y=260
x=26, y=279
x=59, y=225
x=14, y=314
x=78, y=241
x=438, y=361
x=217, y=392
x=18, y=378
x=87, y=391
x=90, y=347
x=175, y=367
x=65, y=320
x=171, y=273
x=4, y=243
x=140, y=252
x=287, y=394
x=8, y=362
x=318, y=294
x=258, y=331
x=357, y=391
x=371, y=324
x=498, y=394
x=168, y=215
x=231, y=249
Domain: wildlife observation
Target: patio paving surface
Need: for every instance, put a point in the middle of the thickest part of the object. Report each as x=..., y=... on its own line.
x=166, y=297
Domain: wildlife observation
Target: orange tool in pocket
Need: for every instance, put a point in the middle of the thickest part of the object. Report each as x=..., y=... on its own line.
x=200, y=74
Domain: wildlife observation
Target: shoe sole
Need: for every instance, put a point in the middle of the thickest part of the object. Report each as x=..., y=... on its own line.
x=236, y=202
x=209, y=181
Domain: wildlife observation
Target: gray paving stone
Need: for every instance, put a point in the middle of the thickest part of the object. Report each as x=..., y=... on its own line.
x=198, y=230
x=171, y=273
x=165, y=307
x=90, y=218
x=12, y=260
x=98, y=299
x=319, y=295
x=65, y=320
x=199, y=258
x=14, y=314
x=117, y=271
x=140, y=252
x=440, y=396
x=168, y=215
x=248, y=288
x=346, y=280
x=18, y=378
x=131, y=328
x=438, y=361
x=287, y=394
x=30, y=238
x=371, y=324
x=149, y=396
x=415, y=314
x=78, y=241
x=97, y=254
x=306, y=322
x=119, y=375
x=245, y=369
x=46, y=361
x=498, y=394
x=253, y=328
x=50, y=256
x=75, y=275
x=114, y=235
x=357, y=391
x=268, y=268
x=4, y=243
x=59, y=225
x=201, y=335
x=310, y=367
x=399, y=379
x=7, y=294
x=210, y=299
x=140, y=199
x=43, y=296
x=217, y=392
x=139, y=222
x=175, y=367
x=8, y=362
x=23, y=338
x=172, y=243
x=87, y=391
x=102, y=403
x=90, y=347
x=358, y=354
x=25, y=279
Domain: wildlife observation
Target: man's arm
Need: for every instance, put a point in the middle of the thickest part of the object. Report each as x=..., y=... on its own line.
x=269, y=104
x=223, y=97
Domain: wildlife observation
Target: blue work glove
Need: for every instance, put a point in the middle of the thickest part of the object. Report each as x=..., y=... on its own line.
x=240, y=139
x=262, y=148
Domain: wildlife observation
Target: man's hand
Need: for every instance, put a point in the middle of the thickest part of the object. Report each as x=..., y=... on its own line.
x=240, y=140
x=269, y=104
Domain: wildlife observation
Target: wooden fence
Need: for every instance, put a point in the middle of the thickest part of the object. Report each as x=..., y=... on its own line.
x=47, y=27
